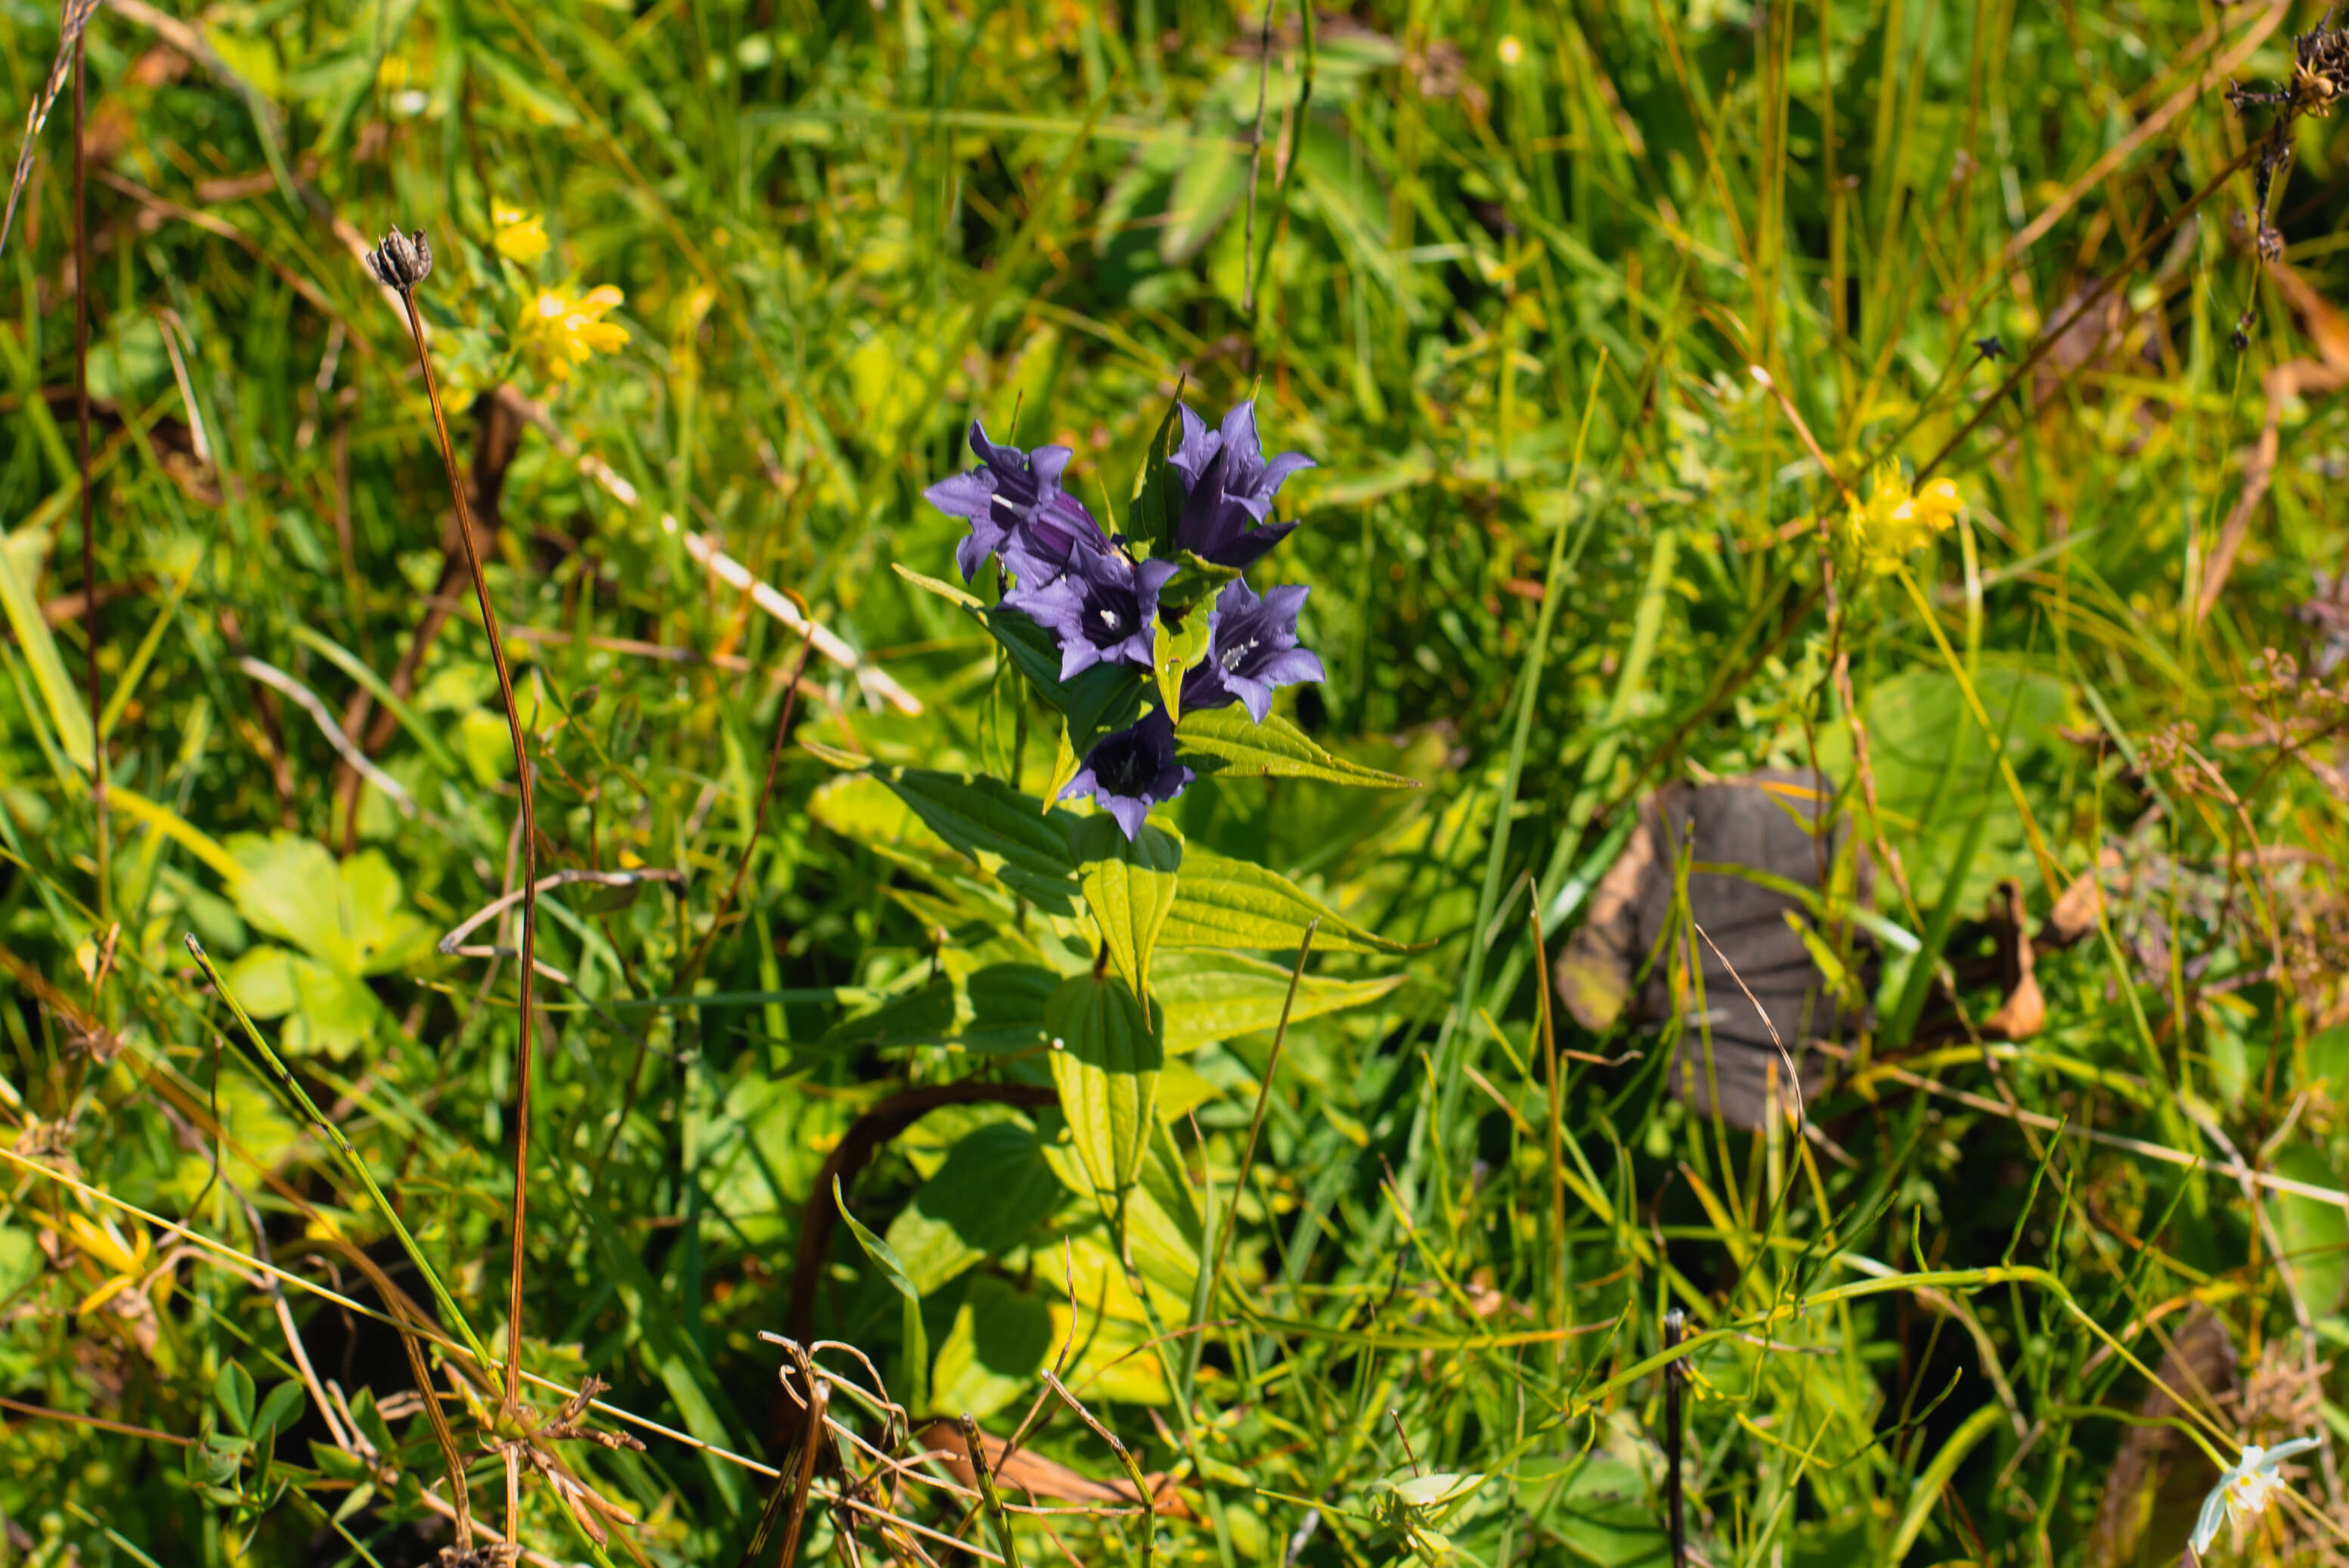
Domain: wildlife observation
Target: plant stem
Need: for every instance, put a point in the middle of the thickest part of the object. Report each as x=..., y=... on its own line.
x=523, y=1053
x=89, y=611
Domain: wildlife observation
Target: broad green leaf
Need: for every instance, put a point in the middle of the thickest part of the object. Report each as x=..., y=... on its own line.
x=1436, y=1490
x=1106, y=1056
x=917, y=1342
x=1225, y=902
x=1008, y=1004
x=233, y=1387
x=1162, y=1220
x=1231, y=995
x=1000, y=1336
x=992, y=1192
x=1009, y=834
x=347, y=915
x=1209, y=185
x=1129, y=887
x=282, y=1409
x=262, y=979
x=1101, y=699
x=2314, y=1232
x=69, y=710
x=1226, y=740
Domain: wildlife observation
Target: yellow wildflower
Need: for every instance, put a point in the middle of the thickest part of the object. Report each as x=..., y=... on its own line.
x=521, y=236
x=1892, y=518
x=121, y=1263
x=560, y=331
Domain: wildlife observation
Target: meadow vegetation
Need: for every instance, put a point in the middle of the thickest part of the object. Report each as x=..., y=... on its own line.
x=923, y=1168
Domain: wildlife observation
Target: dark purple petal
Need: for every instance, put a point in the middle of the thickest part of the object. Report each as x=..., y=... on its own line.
x=1009, y=488
x=1102, y=609
x=1198, y=444
x=1293, y=666
x=1044, y=543
x=1129, y=772
x=1229, y=490
x=1251, y=651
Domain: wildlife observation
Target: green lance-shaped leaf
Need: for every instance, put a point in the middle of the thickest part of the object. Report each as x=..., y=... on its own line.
x=1129, y=887
x=916, y=1340
x=1101, y=699
x=1228, y=995
x=1225, y=902
x=1158, y=491
x=1174, y=649
x=1011, y=835
x=1106, y=1056
x=1226, y=740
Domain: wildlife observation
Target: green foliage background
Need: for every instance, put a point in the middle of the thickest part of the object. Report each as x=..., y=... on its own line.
x=843, y=230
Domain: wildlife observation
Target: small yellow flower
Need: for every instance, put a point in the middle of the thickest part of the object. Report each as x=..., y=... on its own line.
x=561, y=331
x=1892, y=520
x=121, y=1263
x=1510, y=50
x=521, y=236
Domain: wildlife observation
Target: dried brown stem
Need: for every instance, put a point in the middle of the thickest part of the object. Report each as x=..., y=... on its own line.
x=524, y=1054
x=90, y=627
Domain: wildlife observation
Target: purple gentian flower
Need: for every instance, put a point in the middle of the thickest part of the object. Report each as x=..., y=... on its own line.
x=1011, y=489
x=1228, y=488
x=1129, y=772
x=1251, y=649
x=1101, y=608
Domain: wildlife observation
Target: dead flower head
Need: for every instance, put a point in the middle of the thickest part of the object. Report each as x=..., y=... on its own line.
x=402, y=261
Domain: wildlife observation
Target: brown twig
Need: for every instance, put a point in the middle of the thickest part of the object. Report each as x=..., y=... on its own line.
x=402, y=263
x=864, y=1138
x=89, y=519
x=498, y=424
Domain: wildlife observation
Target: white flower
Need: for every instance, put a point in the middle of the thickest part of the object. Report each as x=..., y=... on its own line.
x=2245, y=1490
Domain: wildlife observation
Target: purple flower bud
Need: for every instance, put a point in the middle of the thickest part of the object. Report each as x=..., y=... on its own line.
x=1251, y=650
x=1102, y=607
x=1129, y=772
x=1228, y=488
x=1012, y=492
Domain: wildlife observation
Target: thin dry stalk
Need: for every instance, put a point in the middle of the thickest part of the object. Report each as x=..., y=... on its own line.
x=402, y=263
x=1125, y=1456
x=789, y=1498
x=89, y=596
x=1256, y=160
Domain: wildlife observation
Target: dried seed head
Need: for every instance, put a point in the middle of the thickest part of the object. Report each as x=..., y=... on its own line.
x=402, y=261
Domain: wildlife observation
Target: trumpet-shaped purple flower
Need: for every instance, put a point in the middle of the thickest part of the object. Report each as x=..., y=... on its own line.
x=1251, y=650
x=1011, y=499
x=1228, y=488
x=1129, y=772
x=1102, y=607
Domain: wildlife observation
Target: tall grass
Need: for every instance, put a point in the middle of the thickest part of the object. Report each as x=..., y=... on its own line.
x=2008, y=1294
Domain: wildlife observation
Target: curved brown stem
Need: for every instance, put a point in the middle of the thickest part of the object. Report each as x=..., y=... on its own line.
x=523, y=1048
x=88, y=522
x=865, y=1136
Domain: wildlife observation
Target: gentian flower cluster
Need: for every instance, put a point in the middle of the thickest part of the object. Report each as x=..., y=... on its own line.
x=1103, y=605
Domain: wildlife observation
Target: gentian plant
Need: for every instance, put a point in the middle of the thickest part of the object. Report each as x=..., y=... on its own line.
x=1202, y=515
x=1162, y=664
